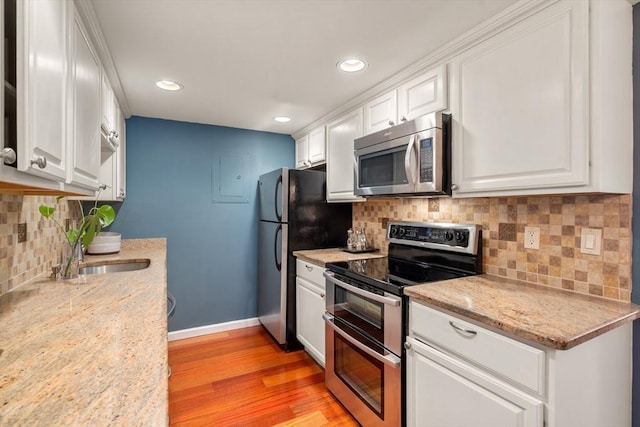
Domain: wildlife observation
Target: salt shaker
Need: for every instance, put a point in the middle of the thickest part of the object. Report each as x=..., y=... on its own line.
x=350, y=242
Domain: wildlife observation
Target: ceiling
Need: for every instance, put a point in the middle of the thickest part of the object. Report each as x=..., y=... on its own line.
x=243, y=62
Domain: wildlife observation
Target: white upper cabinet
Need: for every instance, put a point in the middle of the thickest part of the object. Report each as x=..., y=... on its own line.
x=423, y=94
x=110, y=136
x=42, y=64
x=85, y=111
x=121, y=170
x=340, y=159
x=380, y=113
x=302, y=152
x=311, y=149
x=524, y=122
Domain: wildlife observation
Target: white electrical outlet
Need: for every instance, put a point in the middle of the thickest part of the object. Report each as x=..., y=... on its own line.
x=532, y=237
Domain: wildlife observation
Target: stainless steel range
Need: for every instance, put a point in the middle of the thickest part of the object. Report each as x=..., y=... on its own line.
x=366, y=313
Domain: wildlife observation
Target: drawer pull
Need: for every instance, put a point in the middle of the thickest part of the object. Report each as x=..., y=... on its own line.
x=308, y=267
x=465, y=332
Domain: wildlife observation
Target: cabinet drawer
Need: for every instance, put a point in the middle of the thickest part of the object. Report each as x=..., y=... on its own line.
x=515, y=361
x=310, y=272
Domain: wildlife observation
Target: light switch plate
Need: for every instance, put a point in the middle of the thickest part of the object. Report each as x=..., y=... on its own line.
x=591, y=241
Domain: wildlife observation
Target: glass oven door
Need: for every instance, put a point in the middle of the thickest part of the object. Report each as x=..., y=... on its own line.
x=371, y=312
x=364, y=376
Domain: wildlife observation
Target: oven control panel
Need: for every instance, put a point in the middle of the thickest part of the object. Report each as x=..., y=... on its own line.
x=447, y=236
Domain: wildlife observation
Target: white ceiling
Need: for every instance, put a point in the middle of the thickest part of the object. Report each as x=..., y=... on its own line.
x=242, y=62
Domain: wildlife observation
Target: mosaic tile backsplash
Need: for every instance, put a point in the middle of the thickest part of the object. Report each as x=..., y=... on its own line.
x=24, y=261
x=558, y=263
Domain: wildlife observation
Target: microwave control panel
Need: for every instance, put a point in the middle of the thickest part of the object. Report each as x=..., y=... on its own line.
x=426, y=160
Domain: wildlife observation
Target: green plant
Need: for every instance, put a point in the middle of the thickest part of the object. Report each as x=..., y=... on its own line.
x=92, y=223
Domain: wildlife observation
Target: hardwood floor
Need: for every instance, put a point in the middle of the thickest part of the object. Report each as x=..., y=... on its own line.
x=242, y=378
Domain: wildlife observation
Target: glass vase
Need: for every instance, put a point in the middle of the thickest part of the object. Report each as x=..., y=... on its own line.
x=70, y=262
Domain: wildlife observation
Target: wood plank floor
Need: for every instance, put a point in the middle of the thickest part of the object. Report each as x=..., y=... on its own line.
x=242, y=378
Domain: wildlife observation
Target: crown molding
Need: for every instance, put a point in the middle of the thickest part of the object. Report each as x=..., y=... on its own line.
x=486, y=29
x=88, y=15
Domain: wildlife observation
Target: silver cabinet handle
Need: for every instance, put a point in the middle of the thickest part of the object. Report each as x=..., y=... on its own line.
x=308, y=267
x=407, y=345
x=321, y=294
x=464, y=331
x=102, y=187
x=374, y=297
x=40, y=161
x=454, y=187
x=121, y=194
x=391, y=123
x=391, y=359
x=403, y=119
x=8, y=156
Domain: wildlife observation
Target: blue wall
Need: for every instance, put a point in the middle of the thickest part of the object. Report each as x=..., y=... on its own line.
x=211, y=247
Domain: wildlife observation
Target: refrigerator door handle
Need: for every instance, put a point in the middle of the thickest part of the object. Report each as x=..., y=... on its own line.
x=275, y=196
x=275, y=248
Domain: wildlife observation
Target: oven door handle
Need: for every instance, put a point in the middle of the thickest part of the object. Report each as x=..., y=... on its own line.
x=407, y=160
x=391, y=359
x=369, y=295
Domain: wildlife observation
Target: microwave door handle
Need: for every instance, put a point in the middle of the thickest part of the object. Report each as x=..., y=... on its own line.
x=407, y=160
x=391, y=359
x=374, y=297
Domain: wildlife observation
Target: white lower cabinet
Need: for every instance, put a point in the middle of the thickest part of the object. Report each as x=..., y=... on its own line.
x=310, y=305
x=460, y=374
x=444, y=391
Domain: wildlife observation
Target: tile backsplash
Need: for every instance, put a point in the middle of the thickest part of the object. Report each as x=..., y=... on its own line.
x=558, y=263
x=24, y=261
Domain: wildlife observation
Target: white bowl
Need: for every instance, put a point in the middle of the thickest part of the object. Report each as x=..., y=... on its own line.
x=105, y=243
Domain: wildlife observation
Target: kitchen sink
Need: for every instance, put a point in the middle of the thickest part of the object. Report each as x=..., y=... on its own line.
x=115, y=266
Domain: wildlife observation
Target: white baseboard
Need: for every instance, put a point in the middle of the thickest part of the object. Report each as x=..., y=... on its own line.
x=211, y=329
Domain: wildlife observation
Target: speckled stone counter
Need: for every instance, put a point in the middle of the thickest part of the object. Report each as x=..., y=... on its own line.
x=552, y=317
x=90, y=351
x=321, y=257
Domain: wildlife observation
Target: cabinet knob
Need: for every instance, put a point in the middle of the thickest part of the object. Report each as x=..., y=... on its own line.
x=121, y=193
x=454, y=187
x=40, y=161
x=391, y=123
x=407, y=345
x=8, y=155
x=403, y=119
x=321, y=294
x=102, y=187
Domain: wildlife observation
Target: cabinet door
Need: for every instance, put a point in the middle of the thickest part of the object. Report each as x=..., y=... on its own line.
x=380, y=113
x=340, y=159
x=317, y=146
x=302, y=152
x=520, y=105
x=442, y=391
x=108, y=106
x=423, y=94
x=85, y=86
x=310, y=306
x=43, y=27
x=121, y=159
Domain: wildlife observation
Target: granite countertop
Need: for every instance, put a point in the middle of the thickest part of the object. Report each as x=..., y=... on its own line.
x=321, y=257
x=552, y=317
x=90, y=350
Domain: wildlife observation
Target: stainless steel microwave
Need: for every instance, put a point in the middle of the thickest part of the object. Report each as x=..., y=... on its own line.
x=412, y=158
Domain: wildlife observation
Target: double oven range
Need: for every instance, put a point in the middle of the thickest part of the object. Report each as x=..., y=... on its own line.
x=366, y=313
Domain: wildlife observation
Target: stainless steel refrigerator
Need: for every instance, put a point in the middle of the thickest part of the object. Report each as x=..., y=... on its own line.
x=294, y=215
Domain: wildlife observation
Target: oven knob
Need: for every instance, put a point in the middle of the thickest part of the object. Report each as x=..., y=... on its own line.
x=448, y=236
x=393, y=231
x=402, y=231
x=461, y=238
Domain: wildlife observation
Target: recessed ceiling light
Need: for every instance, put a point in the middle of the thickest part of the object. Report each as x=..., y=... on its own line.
x=352, y=65
x=282, y=119
x=168, y=85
